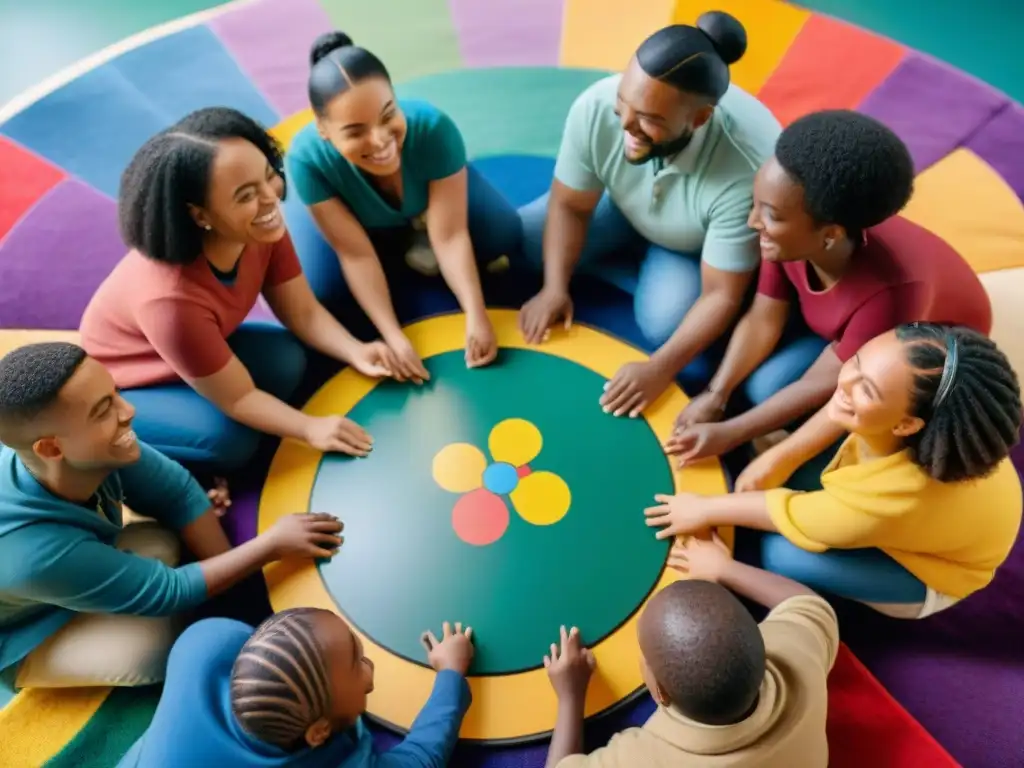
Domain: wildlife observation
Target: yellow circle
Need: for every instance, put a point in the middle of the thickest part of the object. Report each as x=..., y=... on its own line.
x=541, y=498
x=459, y=467
x=505, y=707
x=515, y=441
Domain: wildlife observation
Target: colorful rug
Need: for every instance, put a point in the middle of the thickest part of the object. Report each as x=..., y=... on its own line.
x=507, y=71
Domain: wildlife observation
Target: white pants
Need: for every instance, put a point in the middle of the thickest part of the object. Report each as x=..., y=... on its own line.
x=96, y=649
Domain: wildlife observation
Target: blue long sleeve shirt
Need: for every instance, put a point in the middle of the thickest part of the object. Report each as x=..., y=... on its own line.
x=58, y=558
x=194, y=727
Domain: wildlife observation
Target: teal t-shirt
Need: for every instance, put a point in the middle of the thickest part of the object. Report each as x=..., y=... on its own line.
x=698, y=201
x=433, y=149
x=58, y=558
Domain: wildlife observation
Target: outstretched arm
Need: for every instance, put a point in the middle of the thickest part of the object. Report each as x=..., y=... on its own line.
x=448, y=229
x=436, y=729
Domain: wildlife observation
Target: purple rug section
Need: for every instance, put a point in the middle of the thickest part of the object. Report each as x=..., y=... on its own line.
x=1000, y=143
x=933, y=107
x=508, y=33
x=270, y=39
x=81, y=250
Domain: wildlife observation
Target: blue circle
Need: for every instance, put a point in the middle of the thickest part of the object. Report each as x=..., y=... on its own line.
x=501, y=478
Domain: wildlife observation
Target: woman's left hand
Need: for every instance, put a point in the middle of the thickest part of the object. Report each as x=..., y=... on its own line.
x=677, y=515
x=481, y=344
x=372, y=359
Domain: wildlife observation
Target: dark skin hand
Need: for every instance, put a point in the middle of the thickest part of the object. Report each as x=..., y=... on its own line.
x=637, y=385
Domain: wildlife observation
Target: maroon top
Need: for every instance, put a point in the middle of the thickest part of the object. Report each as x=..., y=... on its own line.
x=902, y=273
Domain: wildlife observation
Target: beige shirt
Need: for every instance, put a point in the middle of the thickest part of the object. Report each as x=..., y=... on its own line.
x=786, y=730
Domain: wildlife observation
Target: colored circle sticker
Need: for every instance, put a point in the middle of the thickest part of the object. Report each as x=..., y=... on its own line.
x=501, y=497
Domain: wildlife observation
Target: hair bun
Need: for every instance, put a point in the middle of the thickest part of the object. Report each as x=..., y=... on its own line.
x=327, y=42
x=726, y=34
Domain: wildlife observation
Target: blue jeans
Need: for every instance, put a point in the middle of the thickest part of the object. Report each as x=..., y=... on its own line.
x=494, y=229
x=664, y=286
x=865, y=575
x=185, y=426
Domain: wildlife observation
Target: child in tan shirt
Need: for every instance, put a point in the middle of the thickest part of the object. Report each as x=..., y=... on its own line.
x=730, y=692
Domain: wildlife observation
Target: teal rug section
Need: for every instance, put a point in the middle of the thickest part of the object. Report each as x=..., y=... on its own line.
x=506, y=111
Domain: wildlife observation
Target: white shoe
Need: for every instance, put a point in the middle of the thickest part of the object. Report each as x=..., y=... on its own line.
x=421, y=258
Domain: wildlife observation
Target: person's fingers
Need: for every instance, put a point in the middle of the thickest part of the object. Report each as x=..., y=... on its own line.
x=673, y=529
x=319, y=553
x=547, y=661
x=458, y=627
x=664, y=498
x=349, y=427
x=696, y=452
x=717, y=541
x=661, y=509
x=428, y=640
x=618, y=385
x=319, y=517
x=659, y=521
x=325, y=526
x=447, y=630
x=469, y=633
x=554, y=653
x=568, y=316
x=327, y=539
x=638, y=408
x=344, y=446
x=588, y=655
x=418, y=367
x=629, y=404
x=536, y=324
x=564, y=636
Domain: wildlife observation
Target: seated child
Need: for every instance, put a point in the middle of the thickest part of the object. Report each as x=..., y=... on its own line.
x=729, y=692
x=291, y=693
x=920, y=505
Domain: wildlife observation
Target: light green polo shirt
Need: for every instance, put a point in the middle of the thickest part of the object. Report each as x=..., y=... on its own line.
x=700, y=200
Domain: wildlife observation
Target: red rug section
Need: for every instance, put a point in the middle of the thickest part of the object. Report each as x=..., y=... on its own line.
x=867, y=728
x=26, y=178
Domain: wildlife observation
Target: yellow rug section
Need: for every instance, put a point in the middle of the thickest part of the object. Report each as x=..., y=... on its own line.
x=37, y=723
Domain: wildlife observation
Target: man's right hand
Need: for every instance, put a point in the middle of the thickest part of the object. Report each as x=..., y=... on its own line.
x=305, y=535
x=542, y=311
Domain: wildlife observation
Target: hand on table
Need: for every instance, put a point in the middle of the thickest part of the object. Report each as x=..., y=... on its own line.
x=542, y=311
x=481, y=343
x=373, y=359
x=705, y=408
x=769, y=470
x=404, y=363
x=305, y=535
x=700, y=559
x=219, y=496
x=454, y=651
x=336, y=434
x=570, y=666
x=677, y=515
x=701, y=441
x=633, y=387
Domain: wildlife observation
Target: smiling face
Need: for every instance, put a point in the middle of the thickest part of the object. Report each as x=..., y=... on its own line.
x=243, y=199
x=658, y=120
x=92, y=423
x=872, y=398
x=787, y=232
x=366, y=126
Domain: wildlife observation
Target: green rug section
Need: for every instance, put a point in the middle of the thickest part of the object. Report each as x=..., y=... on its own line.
x=412, y=37
x=118, y=723
x=512, y=110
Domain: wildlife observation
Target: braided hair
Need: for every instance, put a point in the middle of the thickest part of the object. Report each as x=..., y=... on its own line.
x=968, y=396
x=279, y=683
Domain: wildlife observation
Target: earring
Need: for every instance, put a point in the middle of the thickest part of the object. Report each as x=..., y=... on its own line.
x=207, y=227
x=829, y=242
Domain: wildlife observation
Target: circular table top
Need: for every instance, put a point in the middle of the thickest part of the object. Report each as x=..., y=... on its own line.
x=501, y=497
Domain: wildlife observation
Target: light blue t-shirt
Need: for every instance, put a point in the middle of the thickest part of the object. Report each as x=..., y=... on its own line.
x=433, y=149
x=58, y=558
x=194, y=725
x=700, y=200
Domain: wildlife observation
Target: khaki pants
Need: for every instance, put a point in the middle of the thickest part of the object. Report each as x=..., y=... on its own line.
x=107, y=649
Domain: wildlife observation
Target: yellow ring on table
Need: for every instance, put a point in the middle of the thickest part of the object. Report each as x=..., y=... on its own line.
x=507, y=707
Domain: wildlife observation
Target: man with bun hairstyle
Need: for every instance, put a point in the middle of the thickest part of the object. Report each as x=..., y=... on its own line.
x=656, y=170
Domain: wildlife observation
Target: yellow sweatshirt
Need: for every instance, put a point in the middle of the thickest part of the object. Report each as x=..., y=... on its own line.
x=952, y=536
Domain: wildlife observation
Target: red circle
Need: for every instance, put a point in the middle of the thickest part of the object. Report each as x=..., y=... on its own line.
x=479, y=517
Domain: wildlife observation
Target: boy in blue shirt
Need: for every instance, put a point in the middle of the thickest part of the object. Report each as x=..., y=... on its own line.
x=75, y=582
x=292, y=693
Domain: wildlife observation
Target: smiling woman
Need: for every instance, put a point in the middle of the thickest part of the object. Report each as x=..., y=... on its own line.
x=385, y=179
x=200, y=206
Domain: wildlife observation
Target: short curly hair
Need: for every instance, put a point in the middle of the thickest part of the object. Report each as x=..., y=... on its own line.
x=855, y=172
x=31, y=377
x=172, y=171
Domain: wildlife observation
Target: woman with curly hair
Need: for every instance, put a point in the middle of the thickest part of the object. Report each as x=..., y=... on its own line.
x=200, y=207
x=921, y=504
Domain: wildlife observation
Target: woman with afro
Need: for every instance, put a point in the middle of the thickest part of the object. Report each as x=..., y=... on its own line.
x=921, y=504
x=834, y=249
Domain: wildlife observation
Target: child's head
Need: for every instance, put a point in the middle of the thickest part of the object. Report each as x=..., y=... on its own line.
x=701, y=652
x=948, y=393
x=301, y=677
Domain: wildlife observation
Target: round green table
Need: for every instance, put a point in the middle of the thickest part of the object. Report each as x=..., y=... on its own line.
x=500, y=497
